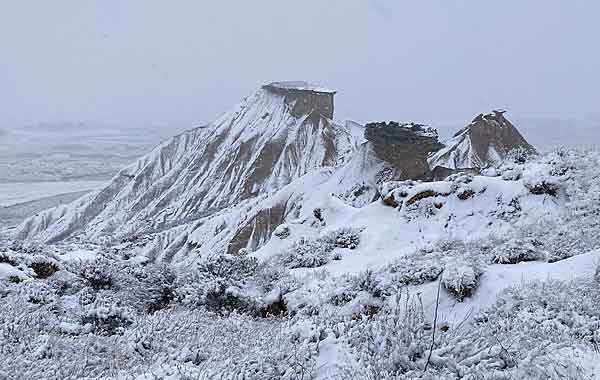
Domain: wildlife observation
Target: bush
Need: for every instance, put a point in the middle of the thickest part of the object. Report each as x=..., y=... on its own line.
x=43, y=267
x=282, y=231
x=367, y=282
x=416, y=272
x=154, y=286
x=535, y=331
x=220, y=283
x=461, y=280
x=516, y=251
x=98, y=273
x=308, y=253
x=390, y=344
x=312, y=253
x=107, y=320
x=7, y=258
x=345, y=238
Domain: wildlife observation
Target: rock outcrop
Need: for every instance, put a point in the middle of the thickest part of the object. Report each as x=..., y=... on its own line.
x=485, y=142
x=304, y=98
x=405, y=147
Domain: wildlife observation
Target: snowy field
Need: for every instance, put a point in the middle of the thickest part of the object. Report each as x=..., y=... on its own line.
x=71, y=151
x=22, y=192
x=44, y=165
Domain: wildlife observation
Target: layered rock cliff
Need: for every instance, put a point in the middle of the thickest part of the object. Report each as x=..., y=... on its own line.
x=404, y=146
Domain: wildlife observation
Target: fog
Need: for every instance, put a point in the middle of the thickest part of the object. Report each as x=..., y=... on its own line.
x=135, y=63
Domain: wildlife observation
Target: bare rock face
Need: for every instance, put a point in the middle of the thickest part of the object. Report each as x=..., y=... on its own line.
x=403, y=146
x=304, y=98
x=485, y=142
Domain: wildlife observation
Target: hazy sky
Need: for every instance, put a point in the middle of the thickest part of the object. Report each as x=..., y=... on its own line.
x=185, y=62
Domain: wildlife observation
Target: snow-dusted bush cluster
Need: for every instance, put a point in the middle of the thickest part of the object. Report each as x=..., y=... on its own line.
x=427, y=263
x=391, y=343
x=529, y=333
x=308, y=253
x=128, y=318
x=106, y=320
x=461, y=279
x=316, y=252
x=518, y=250
x=574, y=173
x=220, y=283
x=175, y=344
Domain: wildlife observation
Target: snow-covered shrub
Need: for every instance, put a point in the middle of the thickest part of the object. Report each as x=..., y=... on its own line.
x=64, y=283
x=269, y=275
x=516, y=251
x=461, y=279
x=367, y=281
x=219, y=282
x=8, y=258
x=282, y=231
x=107, y=320
x=316, y=252
x=519, y=156
x=540, y=181
x=308, y=253
x=43, y=266
x=98, y=274
x=512, y=173
x=228, y=266
x=345, y=237
x=544, y=187
x=459, y=179
x=534, y=331
x=152, y=285
x=26, y=248
x=359, y=195
x=390, y=344
x=415, y=273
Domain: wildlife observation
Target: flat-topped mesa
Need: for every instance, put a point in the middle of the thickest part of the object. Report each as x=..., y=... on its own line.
x=305, y=98
x=405, y=146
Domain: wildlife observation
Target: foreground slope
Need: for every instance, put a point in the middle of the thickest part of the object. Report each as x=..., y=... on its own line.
x=345, y=292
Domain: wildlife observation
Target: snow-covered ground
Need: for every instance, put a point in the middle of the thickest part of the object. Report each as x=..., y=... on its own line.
x=45, y=165
x=72, y=151
x=509, y=260
x=502, y=267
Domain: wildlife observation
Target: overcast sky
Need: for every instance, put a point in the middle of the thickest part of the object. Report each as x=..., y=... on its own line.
x=185, y=62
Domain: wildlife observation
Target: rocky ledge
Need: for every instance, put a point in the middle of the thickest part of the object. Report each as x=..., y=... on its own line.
x=405, y=146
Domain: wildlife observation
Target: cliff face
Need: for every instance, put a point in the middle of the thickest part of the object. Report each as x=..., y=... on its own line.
x=404, y=146
x=304, y=98
x=485, y=142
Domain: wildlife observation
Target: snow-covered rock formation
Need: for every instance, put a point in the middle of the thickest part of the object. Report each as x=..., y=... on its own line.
x=485, y=142
x=275, y=158
x=271, y=138
x=404, y=147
